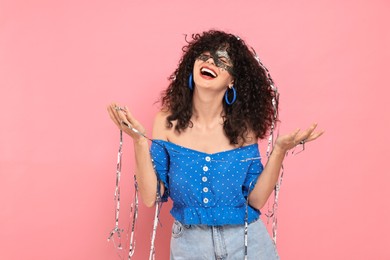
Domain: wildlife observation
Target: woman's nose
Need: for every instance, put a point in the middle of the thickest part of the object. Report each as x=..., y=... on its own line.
x=210, y=60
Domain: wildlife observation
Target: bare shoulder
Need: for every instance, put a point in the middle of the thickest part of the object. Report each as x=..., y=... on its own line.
x=160, y=129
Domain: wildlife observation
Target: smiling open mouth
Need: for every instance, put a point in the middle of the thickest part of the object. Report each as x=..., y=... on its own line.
x=208, y=72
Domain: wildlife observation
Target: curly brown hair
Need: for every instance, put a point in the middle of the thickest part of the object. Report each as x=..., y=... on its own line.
x=253, y=110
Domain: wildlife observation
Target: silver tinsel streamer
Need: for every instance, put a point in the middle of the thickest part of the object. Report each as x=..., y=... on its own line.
x=134, y=209
x=134, y=206
x=246, y=220
x=272, y=213
x=116, y=230
x=155, y=222
x=275, y=101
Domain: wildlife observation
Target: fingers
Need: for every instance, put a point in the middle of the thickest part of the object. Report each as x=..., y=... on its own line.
x=113, y=114
x=295, y=133
x=129, y=116
x=314, y=136
x=117, y=114
x=125, y=121
x=305, y=134
x=309, y=134
x=291, y=140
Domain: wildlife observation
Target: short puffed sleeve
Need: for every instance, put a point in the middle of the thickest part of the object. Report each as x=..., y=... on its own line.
x=254, y=171
x=160, y=159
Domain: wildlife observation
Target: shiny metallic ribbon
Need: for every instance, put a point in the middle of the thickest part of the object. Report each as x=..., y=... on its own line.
x=134, y=206
x=275, y=100
x=134, y=209
x=116, y=229
x=271, y=141
x=246, y=221
x=155, y=223
x=158, y=203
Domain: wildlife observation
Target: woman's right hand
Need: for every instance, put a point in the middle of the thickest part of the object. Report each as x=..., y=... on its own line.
x=146, y=176
x=125, y=121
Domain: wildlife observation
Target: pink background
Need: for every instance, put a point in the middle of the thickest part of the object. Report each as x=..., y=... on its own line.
x=62, y=62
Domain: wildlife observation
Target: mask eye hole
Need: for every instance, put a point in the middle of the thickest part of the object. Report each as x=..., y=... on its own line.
x=204, y=57
x=224, y=60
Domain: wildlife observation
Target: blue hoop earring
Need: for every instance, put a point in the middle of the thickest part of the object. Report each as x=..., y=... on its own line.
x=190, y=84
x=234, y=96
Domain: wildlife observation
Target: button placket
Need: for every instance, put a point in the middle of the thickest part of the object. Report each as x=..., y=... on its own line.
x=205, y=179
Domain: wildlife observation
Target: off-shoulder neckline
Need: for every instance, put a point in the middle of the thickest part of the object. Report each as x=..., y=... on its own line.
x=205, y=153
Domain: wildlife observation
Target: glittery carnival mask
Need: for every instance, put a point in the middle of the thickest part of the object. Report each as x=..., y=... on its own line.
x=221, y=59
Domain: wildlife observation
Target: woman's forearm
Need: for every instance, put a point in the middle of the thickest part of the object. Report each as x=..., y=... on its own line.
x=267, y=179
x=146, y=177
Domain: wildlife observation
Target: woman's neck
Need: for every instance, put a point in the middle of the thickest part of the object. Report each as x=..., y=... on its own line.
x=207, y=108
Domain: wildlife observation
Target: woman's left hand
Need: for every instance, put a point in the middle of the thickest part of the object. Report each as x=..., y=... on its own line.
x=289, y=141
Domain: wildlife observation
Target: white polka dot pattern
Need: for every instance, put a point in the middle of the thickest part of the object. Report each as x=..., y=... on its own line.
x=208, y=189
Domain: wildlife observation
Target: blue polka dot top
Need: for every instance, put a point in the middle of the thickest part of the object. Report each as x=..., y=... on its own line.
x=208, y=189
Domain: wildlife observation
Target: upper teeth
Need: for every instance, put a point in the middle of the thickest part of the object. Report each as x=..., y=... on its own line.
x=208, y=71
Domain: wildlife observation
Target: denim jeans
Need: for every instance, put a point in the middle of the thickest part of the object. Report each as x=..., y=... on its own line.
x=190, y=242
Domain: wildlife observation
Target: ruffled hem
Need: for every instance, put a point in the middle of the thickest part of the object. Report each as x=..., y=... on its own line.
x=218, y=216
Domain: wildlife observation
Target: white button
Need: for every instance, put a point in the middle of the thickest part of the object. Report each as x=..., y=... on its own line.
x=205, y=168
x=206, y=200
x=208, y=158
x=205, y=189
x=204, y=179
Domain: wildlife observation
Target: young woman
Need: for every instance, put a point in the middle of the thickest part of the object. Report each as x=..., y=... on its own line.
x=205, y=154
